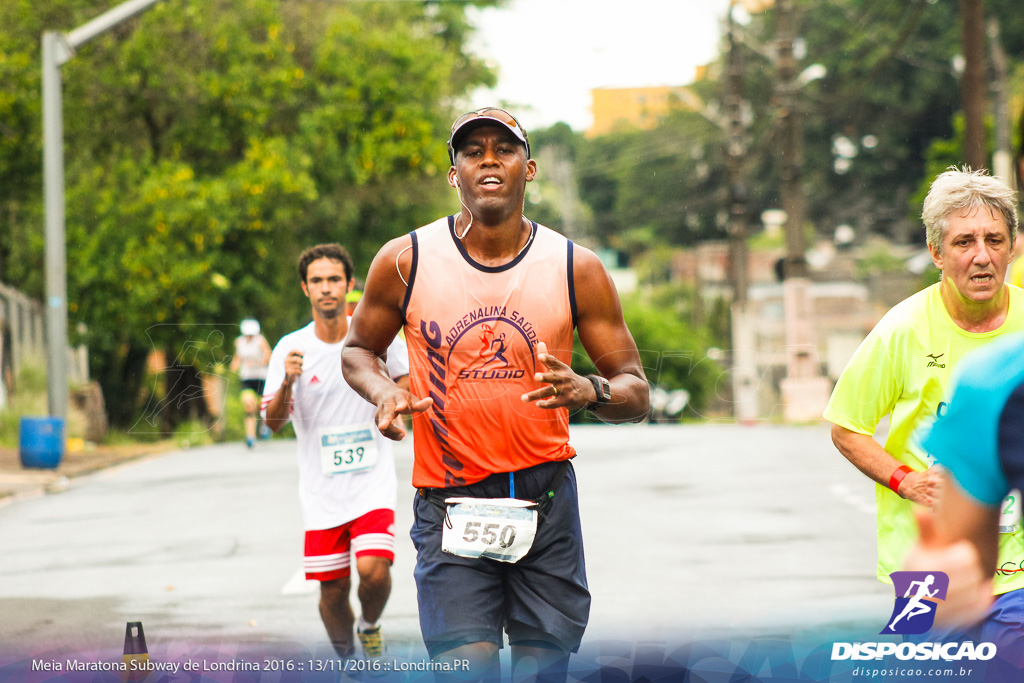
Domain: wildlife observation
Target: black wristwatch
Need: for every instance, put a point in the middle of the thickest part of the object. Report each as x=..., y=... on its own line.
x=603, y=390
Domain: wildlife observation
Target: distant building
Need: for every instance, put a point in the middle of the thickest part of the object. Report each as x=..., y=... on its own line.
x=844, y=306
x=617, y=109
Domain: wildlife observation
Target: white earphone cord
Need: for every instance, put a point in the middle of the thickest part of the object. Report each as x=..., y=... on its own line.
x=465, y=232
x=458, y=191
x=396, y=264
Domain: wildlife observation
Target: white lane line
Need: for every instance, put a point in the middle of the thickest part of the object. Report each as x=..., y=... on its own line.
x=297, y=584
x=852, y=499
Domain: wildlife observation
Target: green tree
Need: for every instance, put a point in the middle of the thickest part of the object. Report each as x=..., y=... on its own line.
x=891, y=89
x=672, y=352
x=208, y=142
x=668, y=181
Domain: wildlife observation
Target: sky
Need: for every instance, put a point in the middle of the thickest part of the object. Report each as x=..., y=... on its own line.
x=549, y=54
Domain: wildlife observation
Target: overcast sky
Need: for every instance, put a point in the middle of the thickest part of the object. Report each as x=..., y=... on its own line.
x=550, y=53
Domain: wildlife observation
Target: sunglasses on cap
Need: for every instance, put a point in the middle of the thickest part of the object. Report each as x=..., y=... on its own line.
x=487, y=114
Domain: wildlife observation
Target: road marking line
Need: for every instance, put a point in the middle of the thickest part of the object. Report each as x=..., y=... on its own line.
x=855, y=501
x=298, y=585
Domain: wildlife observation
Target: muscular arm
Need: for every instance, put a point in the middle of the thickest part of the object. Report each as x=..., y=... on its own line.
x=377, y=320
x=609, y=344
x=868, y=456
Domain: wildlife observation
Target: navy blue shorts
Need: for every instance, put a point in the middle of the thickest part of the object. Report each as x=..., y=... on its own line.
x=542, y=599
x=1003, y=625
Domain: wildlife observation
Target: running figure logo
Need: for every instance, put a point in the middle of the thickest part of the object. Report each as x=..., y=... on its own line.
x=914, y=613
x=492, y=345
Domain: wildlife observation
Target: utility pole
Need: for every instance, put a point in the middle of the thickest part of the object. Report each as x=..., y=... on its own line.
x=792, y=143
x=58, y=49
x=744, y=347
x=560, y=169
x=972, y=85
x=804, y=390
x=735, y=152
x=1002, y=159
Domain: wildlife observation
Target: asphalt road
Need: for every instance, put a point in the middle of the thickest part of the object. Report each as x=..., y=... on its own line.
x=704, y=531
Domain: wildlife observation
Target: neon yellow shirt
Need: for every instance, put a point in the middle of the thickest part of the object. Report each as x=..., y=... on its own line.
x=1015, y=274
x=904, y=369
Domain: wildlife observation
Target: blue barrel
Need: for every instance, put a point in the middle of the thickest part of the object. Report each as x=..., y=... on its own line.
x=41, y=442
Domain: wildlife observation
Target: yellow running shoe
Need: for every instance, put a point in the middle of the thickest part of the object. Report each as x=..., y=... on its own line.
x=373, y=642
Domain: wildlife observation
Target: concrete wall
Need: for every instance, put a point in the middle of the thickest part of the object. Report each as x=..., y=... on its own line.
x=23, y=340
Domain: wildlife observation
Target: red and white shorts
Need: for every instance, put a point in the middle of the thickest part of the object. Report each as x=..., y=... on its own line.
x=327, y=550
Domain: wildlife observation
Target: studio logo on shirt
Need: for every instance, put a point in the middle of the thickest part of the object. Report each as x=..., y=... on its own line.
x=494, y=339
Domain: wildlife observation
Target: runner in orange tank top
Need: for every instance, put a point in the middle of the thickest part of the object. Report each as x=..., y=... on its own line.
x=475, y=332
x=489, y=302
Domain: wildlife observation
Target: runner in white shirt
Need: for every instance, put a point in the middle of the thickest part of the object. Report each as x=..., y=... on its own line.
x=252, y=353
x=347, y=483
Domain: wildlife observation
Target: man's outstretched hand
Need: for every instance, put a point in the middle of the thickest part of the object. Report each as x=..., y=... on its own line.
x=392, y=408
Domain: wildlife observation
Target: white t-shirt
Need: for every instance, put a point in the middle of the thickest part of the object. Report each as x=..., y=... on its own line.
x=321, y=399
x=250, y=355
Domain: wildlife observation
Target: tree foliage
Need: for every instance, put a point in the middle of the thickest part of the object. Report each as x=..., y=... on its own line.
x=208, y=142
x=876, y=128
x=891, y=90
x=672, y=352
x=667, y=183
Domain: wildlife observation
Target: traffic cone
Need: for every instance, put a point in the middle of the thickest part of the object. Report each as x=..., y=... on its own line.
x=135, y=651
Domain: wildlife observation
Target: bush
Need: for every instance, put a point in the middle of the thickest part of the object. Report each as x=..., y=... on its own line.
x=234, y=415
x=193, y=433
x=672, y=352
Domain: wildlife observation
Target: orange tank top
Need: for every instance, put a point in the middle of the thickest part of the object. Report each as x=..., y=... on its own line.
x=472, y=332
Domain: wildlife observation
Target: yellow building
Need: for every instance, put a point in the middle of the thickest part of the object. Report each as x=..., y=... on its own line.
x=625, y=108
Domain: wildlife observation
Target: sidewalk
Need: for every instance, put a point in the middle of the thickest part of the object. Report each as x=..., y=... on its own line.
x=18, y=481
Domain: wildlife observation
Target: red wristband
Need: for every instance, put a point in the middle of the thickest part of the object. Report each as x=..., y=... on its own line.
x=897, y=476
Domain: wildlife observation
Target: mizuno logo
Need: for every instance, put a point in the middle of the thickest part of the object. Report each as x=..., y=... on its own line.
x=934, y=362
